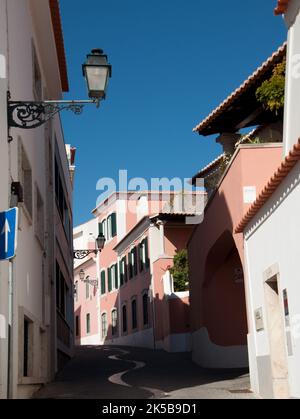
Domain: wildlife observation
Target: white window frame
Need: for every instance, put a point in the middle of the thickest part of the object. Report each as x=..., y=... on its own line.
x=104, y=313
x=114, y=327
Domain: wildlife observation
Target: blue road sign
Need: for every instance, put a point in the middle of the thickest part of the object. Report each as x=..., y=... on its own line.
x=8, y=233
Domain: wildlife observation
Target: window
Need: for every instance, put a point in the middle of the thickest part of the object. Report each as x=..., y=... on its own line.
x=123, y=271
x=37, y=78
x=77, y=326
x=130, y=266
x=61, y=291
x=113, y=280
x=132, y=259
x=145, y=309
x=102, y=229
x=134, y=314
x=28, y=347
x=143, y=255
x=112, y=222
x=115, y=276
x=103, y=283
x=76, y=291
x=109, y=227
x=109, y=279
x=26, y=180
x=87, y=290
x=61, y=201
x=39, y=216
x=124, y=318
x=88, y=323
x=114, y=321
x=104, y=325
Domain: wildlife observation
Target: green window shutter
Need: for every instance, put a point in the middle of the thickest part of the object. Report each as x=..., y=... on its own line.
x=125, y=270
x=141, y=262
x=114, y=224
x=130, y=267
x=100, y=226
x=109, y=280
x=121, y=272
x=103, y=285
x=147, y=253
x=135, y=252
x=116, y=277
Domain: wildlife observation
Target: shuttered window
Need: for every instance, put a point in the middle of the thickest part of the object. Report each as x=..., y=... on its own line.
x=103, y=284
x=144, y=262
x=116, y=277
x=109, y=279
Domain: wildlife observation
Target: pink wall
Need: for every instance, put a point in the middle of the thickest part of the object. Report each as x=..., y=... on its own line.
x=84, y=306
x=251, y=167
x=176, y=237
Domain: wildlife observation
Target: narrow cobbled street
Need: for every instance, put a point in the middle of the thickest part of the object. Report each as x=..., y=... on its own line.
x=131, y=373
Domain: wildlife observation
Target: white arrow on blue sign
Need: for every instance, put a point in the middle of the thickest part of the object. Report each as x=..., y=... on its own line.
x=8, y=233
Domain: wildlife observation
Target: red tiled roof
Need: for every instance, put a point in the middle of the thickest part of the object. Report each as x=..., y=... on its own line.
x=264, y=68
x=59, y=40
x=207, y=169
x=282, y=6
x=286, y=166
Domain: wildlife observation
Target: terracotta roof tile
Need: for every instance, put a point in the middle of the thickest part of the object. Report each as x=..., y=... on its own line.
x=252, y=79
x=208, y=168
x=59, y=40
x=285, y=168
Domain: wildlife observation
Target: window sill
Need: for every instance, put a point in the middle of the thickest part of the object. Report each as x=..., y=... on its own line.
x=32, y=380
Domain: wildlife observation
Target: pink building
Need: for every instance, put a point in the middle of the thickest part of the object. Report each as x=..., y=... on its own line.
x=135, y=303
x=215, y=250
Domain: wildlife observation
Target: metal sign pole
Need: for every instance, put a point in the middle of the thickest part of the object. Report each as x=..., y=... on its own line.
x=10, y=331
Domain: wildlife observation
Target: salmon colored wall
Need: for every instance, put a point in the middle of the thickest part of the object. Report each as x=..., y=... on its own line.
x=84, y=305
x=251, y=167
x=137, y=286
x=226, y=326
x=176, y=238
x=162, y=327
x=171, y=315
x=179, y=315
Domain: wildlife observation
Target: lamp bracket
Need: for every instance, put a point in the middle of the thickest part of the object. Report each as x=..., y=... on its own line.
x=82, y=254
x=29, y=115
x=92, y=282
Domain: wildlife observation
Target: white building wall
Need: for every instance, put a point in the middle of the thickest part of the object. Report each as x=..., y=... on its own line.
x=4, y=187
x=271, y=239
x=291, y=117
x=28, y=22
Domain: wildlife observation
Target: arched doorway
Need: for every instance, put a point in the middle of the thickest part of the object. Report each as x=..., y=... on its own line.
x=224, y=304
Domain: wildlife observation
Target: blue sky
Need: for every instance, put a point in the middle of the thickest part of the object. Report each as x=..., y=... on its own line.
x=173, y=62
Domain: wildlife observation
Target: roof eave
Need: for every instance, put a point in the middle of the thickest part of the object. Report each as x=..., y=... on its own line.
x=59, y=41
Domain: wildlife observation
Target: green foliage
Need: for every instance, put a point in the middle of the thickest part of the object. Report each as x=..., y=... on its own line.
x=180, y=271
x=271, y=92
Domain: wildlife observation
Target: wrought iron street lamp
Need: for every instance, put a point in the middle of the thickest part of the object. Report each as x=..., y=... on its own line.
x=87, y=280
x=97, y=71
x=32, y=114
x=99, y=242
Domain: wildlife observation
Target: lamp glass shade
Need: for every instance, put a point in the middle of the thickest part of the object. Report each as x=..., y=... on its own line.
x=97, y=71
x=97, y=80
x=100, y=241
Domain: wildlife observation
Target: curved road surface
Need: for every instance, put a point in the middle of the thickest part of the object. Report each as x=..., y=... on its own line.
x=134, y=373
